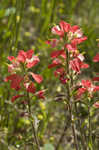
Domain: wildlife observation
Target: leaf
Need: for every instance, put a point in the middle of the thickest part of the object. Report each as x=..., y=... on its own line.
x=48, y=147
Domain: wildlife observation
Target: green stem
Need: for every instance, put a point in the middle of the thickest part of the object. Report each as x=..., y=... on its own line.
x=73, y=127
x=90, y=135
x=83, y=140
x=69, y=101
x=32, y=124
x=18, y=25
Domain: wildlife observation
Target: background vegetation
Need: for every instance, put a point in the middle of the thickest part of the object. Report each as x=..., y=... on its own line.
x=26, y=24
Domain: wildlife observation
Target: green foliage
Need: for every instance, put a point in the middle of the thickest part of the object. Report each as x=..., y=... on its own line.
x=26, y=25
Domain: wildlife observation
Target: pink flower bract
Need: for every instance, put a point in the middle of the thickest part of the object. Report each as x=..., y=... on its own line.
x=16, y=97
x=96, y=58
x=15, y=81
x=96, y=105
x=31, y=88
x=36, y=77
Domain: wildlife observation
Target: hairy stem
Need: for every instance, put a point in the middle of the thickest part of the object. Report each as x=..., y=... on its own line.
x=32, y=124
x=90, y=135
x=82, y=135
x=69, y=101
x=73, y=127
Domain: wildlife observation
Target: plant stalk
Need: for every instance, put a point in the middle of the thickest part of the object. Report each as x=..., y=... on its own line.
x=69, y=101
x=90, y=132
x=32, y=124
x=73, y=127
x=83, y=140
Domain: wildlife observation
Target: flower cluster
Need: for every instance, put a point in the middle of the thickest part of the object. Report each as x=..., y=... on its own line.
x=69, y=37
x=20, y=75
x=87, y=87
x=96, y=79
x=68, y=60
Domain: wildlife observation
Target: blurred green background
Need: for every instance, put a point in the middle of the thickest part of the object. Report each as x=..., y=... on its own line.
x=26, y=24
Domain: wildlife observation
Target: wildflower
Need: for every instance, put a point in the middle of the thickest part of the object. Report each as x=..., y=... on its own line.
x=96, y=88
x=59, y=71
x=96, y=105
x=36, y=77
x=52, y=42
x=57, y=53
x=57, y=30
x=96, y=58
x=80, y=92
x=15, y=81
x=28, y=58
x=55, y=62
x=30, y=87
x=72, y=47
x=40, y=94
x=16, y=97
x=96, y=79
x=87, y=86
x=22, y=80
x=60, y=30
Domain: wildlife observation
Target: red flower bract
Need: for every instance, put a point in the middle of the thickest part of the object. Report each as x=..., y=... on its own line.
x=74, y=28
x=21, y=56
x=15, y=97
x=15, y=81
x=29, y=53
x=59, y=71
x=86, y=83
x=84, y=65
x=11, y=58
x=96, y=105
x=71, y=47
x=80, y=92
x=55, y=63
x=57, y=30
x=36, y=77
x=52, y=42
x=96, y=79
x=60, y=30
x=75, y=64
x=40, y=94
x=96, y=88
x=31, y=88
x=28, y=58
x=32, y=62
x=65, y=26
x=96, y=58
x=78, y=40
x=20, y=75
x=57, y=53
